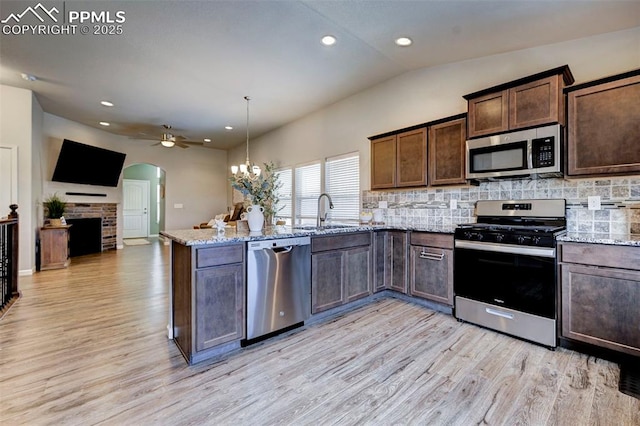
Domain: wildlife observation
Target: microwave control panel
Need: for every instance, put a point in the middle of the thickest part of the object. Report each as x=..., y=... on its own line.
x=543, y=152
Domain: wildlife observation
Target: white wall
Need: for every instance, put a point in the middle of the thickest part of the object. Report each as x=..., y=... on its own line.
x=195, y=177
x=431, y=93
x=16, y=130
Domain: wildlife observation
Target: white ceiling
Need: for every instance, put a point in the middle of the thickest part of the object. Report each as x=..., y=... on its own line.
x=190, y=63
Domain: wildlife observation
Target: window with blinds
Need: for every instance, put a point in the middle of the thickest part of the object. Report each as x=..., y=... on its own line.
x=308, y=187
x=342, y=182
x=284, y=208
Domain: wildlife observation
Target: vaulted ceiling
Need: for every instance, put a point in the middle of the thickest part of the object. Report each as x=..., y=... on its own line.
x=190, y=63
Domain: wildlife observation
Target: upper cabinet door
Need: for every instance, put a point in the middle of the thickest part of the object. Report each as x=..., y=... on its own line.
x=536, y=103
x=489, y=114
x=383, y=163
x=446, y=152
x=604, y=127
x=412, y=158
x=526, y=102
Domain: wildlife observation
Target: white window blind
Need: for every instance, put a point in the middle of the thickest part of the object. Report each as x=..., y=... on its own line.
x=284, y=207
x=308, y=189
x=342, y=182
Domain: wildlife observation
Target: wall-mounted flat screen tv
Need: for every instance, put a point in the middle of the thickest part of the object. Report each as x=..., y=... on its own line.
x=88, y=165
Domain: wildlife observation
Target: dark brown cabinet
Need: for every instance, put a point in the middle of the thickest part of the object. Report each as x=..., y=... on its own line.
x=208, y=298
x=383, y=163
x=391, y=255
x=219, y=303
x=488, y=114
x=531, y=101
x=399, y=160
x=341, y=270
x=604, y=126
x=54, y=247
x=412, y=158
x=600, y=287
x=446, y=152
x=431, y=268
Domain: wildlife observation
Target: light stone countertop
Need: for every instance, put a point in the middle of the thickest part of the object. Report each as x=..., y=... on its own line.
x=192, y=237
x=601, y=238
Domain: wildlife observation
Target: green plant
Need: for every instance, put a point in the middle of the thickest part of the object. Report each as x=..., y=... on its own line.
x=56, y=206
x=261, y=190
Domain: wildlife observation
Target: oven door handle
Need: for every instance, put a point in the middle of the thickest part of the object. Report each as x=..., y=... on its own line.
x=506, y=248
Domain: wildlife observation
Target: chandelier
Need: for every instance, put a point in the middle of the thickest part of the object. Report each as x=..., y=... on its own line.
x=247, y=169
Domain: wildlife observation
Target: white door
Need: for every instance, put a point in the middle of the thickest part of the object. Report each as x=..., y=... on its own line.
x=8, y=178
x=135, y=208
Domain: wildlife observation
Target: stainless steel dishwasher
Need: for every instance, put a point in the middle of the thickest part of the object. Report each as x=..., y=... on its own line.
x=278, y=284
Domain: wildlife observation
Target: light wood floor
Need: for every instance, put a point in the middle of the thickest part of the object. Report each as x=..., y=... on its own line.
x=87, y=345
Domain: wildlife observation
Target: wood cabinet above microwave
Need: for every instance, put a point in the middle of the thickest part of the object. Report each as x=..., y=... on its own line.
x=604, y=126
x=527, y=102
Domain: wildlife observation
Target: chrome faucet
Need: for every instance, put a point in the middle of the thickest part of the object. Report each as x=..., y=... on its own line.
x=322, y=219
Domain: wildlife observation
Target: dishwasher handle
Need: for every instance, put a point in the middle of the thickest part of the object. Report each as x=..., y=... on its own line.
x=280, y=250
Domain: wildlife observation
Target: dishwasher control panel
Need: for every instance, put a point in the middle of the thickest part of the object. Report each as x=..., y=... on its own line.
x=281, y=242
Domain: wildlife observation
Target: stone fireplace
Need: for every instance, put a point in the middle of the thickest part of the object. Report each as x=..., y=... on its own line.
x=106, y=211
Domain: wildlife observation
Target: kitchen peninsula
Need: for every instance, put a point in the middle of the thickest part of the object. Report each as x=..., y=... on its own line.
x=208, y=290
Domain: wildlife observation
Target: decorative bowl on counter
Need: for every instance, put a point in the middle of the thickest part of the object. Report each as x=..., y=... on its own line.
x=365, y=217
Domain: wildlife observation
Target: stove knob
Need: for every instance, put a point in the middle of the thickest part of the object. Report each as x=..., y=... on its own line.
x=521, y=239
x=467, y=235
x=499, y=238
x=479, y=236
x=536, y=240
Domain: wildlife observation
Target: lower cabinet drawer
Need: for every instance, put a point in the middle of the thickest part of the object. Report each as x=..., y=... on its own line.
x=338, y=242
x=431, y=239
x=219, y=255
x=625, y=257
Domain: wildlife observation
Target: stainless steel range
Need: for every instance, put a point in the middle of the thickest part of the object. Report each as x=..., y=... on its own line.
x=505, y=268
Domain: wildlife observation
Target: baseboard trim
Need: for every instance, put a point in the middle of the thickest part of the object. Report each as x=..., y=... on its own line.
x=25, y=272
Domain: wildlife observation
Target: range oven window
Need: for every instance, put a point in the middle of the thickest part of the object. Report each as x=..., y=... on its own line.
x=499, y=158
x=521, y=282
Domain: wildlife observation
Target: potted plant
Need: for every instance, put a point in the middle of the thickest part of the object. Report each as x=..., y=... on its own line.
x=55, y=208
x=259, y=191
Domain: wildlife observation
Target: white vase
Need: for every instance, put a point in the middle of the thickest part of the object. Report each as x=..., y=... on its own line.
x=255, y=217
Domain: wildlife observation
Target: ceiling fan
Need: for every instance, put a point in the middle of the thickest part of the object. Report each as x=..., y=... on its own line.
x=169, y=140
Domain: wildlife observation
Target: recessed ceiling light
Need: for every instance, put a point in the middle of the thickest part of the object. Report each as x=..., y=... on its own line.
x=207, y=140
x=328, y=40
x=106, y=103
x=28, y=77
x=105, y=124
x=404, y=41
x=228, y=127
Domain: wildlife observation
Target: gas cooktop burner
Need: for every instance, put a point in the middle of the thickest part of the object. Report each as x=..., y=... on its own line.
x=511, y=228
x=523, y=222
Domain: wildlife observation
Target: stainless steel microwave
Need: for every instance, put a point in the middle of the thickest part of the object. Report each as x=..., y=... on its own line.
x=525, y=153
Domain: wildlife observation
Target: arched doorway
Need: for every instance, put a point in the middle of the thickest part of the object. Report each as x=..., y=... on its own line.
x=143, y=200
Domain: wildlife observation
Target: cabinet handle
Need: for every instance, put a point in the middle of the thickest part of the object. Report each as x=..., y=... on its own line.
x=431, y=256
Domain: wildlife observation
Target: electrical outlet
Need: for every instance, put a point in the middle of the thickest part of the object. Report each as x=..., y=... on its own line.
x=177, y=206
x=593, y=202
x=383, y=204
x=453, y=204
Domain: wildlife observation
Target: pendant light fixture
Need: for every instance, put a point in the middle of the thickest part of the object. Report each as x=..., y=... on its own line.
x=247, y=169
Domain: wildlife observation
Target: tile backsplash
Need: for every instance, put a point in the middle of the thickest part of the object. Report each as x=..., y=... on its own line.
x=429, y=207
